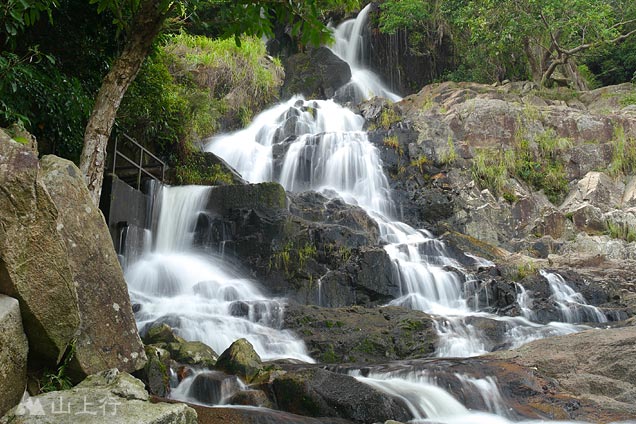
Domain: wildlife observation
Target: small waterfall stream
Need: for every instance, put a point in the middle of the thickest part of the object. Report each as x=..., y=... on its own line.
x=199, y=295
x=320, y=145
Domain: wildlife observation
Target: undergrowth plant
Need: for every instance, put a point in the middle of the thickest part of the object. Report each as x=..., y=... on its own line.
x=59, y=380
x=623, y=153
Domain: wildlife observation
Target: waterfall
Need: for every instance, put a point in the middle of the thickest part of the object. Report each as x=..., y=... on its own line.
x=573, y=307
x=349, y=46
x=320, y=145
x=197, y=294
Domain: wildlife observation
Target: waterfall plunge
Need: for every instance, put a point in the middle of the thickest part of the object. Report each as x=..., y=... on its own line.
x=199, y=296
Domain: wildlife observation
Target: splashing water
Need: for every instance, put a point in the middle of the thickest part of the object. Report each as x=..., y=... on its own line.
x=573, y=307
x=196, y=294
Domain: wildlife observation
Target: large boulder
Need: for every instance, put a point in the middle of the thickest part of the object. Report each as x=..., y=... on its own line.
x=357, y=335
x=605, y=375
x=13, y=354
x=110, y=396
x=34, y=265
x=317, y=74
x=240, y=359
x=320, y=393
x=107, y=336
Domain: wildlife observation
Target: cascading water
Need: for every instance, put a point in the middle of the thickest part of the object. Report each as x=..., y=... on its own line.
x=199, y=296
x=319, y=145
x=349, y=46
x=572, y=304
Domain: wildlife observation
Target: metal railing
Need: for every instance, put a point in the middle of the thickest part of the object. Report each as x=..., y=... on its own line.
x=138, y=166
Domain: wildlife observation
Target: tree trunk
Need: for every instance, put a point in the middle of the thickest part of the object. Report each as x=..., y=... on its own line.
x=146, y=25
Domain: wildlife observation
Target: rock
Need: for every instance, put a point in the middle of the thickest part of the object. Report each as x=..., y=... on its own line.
x=250, y=398
x=597, y=189
x=588, y=218
x=156, y=372
x=317, y=74
x=320, y=393
x=34, y=265
x=191, y=353
x=160, y=333
x=14, y=348
x=251, y=196
x=240, y=359
x=213, y=387
x=605, y=375
x=109, y=396
x=217, y=414
x=355, y=334
x=107, y=335
x=203, y=168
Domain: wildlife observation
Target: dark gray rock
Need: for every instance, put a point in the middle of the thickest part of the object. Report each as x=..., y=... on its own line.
x=356, y=335
x=317, y=393
x=317, y=74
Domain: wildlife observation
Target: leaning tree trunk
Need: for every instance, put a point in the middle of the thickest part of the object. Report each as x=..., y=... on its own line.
x=146, y=25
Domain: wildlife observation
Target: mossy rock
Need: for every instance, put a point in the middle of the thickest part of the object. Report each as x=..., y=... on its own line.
x=156, y=373
x=161, y=333
x=241, y=359
x=191, y=353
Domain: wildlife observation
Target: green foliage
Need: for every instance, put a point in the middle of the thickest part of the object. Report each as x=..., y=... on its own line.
x=489, y=169
x=449, y=156
x=623, y=153
x=420, y=162
x=394, y=143
x=288, y=255
x=49, y=104
x=543, y=169
x=403, y=14
x=517, y=39
x=16, y=15
x=59, y=380
x=621, y=230
x=387, y=118
x=156, y=111
x=628, y=100
x=190, y=173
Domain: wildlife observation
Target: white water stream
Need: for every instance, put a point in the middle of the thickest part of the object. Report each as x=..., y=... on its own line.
x=198, y=295
x=319, y=145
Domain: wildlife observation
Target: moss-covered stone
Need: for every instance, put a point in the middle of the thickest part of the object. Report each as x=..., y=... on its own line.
x=156, y=373
x=161, y=333
x=191, y=353
x=241, y=359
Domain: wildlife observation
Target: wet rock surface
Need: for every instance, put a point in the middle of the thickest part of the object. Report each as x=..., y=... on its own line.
x=362, y=335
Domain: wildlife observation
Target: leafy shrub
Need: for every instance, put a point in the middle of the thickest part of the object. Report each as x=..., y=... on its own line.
x=49, y=104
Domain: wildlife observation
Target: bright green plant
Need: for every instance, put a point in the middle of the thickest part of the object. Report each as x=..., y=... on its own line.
x=59, y=379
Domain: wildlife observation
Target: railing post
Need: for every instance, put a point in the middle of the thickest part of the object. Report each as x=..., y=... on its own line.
x=141, y=161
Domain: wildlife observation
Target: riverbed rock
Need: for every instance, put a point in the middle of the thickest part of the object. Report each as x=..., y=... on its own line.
x=240, y=359
x=316, y=393
x=109, y=396
x=191, y=353
x=357, y=335
x=107, y=336
x=34, y=265
x=605, y=375
x=14, y=348
x=213, y=387
x=156, y=372
x=316, y=74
